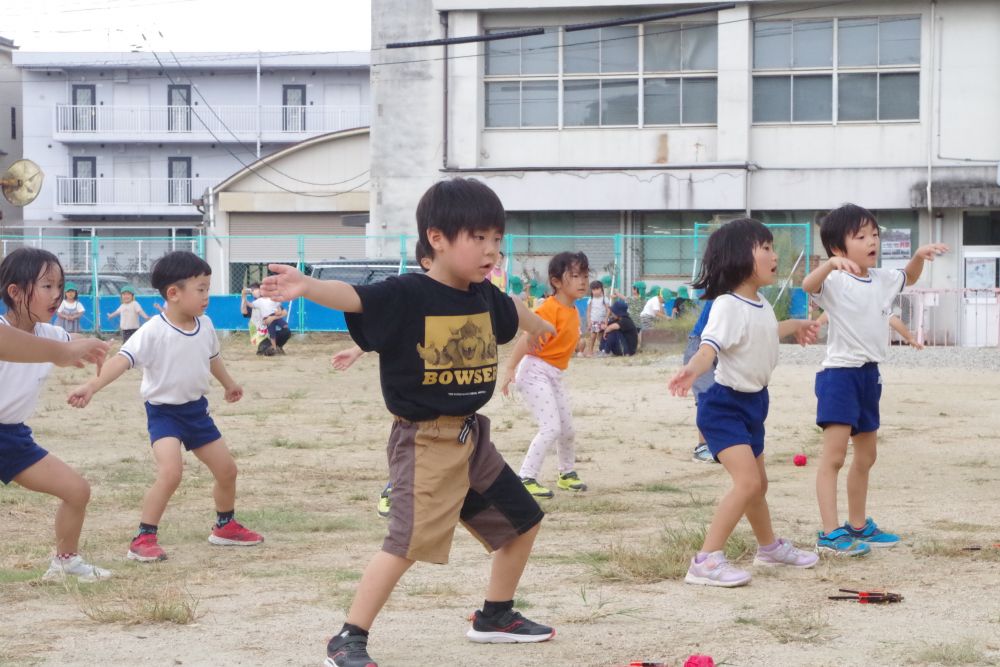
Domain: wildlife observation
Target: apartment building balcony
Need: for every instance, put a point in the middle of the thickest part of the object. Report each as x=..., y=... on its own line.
x=200, y=123
x=129, y=196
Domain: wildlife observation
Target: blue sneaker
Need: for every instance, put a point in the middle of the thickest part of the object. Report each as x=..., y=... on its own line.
x=871, y=535
x=841, y=543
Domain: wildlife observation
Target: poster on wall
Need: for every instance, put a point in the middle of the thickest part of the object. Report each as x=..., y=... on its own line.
x=896, y=244
x=980, y=272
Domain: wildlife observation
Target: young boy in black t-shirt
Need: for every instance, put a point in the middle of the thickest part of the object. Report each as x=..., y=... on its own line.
x=437, y=336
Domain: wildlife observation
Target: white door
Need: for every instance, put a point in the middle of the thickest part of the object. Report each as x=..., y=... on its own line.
x=980, y=307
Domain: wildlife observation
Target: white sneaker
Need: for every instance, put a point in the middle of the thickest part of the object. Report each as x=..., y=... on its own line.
x=59, y=569
x=715, y=570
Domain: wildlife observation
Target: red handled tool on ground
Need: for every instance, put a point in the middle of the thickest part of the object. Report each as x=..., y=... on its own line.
x=868, y=597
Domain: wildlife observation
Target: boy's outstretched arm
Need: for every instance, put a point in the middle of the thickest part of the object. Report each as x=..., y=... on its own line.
x=924, y=253
x=343, y=360
x=25, y=348
x=289, y=283
x=681, y=382
x=535, y=326
x=812, y=283
x=234, y=392
x=80, y=397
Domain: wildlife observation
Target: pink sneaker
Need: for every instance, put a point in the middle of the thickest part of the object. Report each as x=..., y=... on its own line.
x=145, y=549
x=715, y=570
x=785, y=554
x=233, y=534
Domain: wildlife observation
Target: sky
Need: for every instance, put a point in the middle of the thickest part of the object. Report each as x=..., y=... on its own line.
x=187, y=25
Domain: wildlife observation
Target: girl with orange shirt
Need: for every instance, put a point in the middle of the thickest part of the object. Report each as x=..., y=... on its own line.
x=538, y=375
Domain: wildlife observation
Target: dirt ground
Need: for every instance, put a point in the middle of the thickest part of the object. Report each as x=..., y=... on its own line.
x=608, y=565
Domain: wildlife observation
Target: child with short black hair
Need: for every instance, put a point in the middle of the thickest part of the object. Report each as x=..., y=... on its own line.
x=437, y=336
x=31, y=282
x=743, y=332
x=177, y=350
x=857, y=297
x=130, y=311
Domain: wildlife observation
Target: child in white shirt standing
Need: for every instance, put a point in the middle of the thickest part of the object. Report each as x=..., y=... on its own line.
x=32, y=284
x=177, y=351
x=130, y=312
x=743, y=332
x=70, y=310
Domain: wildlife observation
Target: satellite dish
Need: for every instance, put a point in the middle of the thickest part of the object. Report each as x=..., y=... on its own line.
x=22, y=182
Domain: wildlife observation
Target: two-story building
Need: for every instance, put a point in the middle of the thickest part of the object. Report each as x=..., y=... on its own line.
x=776, y=109
x=130, y=142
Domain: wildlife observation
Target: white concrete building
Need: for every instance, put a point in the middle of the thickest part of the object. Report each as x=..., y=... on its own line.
x=130, y=141
x=777, y=109
x=11, y=124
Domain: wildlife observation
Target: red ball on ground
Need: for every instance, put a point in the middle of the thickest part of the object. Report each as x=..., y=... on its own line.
x=800, y=459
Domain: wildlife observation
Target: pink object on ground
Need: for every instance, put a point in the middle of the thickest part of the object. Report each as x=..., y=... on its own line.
x=699, y=661
x=800, y=459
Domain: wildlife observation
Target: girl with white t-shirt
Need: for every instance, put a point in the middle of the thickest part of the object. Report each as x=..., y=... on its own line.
x=743, y=332
x=70, y=310
x=31, y=281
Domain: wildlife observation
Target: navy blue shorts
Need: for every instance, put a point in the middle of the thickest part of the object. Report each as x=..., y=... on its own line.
x=849, y=396
x=18, y=451
x=727, y=417
x=189, y=422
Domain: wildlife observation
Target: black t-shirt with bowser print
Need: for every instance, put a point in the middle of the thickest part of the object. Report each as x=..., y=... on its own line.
x=437, y=345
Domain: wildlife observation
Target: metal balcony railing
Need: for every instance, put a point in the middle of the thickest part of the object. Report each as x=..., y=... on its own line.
x=129, y=195
x=227, y=123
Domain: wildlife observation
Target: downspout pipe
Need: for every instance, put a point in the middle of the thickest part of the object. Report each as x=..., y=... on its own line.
x=930, y=124
x=444, y=110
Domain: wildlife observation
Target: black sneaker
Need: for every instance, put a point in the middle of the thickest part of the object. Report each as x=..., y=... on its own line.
x=346, y=650
x=507, y=628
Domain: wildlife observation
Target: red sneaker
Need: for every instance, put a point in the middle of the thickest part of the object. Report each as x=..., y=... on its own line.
x=145, y=549
x=233, y=534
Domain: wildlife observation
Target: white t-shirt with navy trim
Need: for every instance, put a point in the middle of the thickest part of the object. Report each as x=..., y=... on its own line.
x=20, y=384
x=745, y=335
x=175, y=363
x=859, y=311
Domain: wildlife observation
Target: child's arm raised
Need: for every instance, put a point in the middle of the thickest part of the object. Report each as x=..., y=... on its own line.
x=537, y=328
x=80, y=397
x=924, y=253
x=812, y=283
x=288, y=283
x=805, y=331
x=681, y=382
x=521, y=347
x=21, y=347
x=234, y=392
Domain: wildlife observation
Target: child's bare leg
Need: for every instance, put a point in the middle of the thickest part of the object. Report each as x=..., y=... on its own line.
x=835, y=438
x=758, y=513
x=217, y=457
x=741, y=465
x=377, y=583
x=52, y=476
x=508, y=565
x=864, y=457
x=169, y=466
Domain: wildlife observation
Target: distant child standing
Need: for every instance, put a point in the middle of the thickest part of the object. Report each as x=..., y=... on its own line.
x=32, y=284
x=538, y=376
x=130, y=312
x=437, y=335
x=597, y=315
x=70, y=310
x=743, y=332
x=177, y=350
x=857, y=297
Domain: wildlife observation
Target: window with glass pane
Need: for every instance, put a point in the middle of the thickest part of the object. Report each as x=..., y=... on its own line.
x=899, y=40
x=620, y=49
x=662, y=47
x=772, y=44
x=700, y=46
x=857, y=42
x=700, y=100
x=503, y=56
x=812, y=44
x=856, y=96
x=539, y=104
x=540, y=53
x=772, y=99
x=812, y=98
x=581, y=103
x=899, y=96
x=662, y=101
x=620, y=102
x=503, y=100
x=581, y=52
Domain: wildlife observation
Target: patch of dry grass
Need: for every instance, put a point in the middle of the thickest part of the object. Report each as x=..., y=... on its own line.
x=141, y=603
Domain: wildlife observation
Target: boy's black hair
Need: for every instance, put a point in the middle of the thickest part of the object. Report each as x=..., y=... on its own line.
x=22, y=268
x=567, y=261
x=458, y=205
x=728, y=260
x=840, y=223
x=594, y=284
x=176, y=267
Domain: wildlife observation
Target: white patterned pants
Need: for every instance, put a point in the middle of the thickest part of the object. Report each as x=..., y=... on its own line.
x=541, y=385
